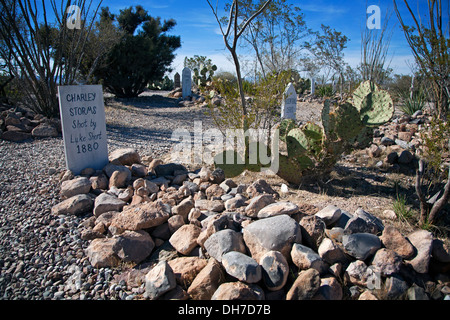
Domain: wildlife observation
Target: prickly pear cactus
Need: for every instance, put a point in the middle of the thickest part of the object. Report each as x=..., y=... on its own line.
x=374, y=105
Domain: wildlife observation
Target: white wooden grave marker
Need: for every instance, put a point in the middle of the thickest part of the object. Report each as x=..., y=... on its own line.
x=84, y=127
x=289, y=104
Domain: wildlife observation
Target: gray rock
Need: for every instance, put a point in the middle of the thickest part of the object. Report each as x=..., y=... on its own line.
x=224, y=241
x=313, y=231
x=361, y=245
x=385, y=141
x=274, y=233
x=106, y=202
x=416, y=293
x=422, y=240
x=275, y=270
x=101, y=253
x=241, y=267
x=134, y=246
x=363, y=222
x=44, y=130
x=127, y=156
x=386, y=262
x=405, y=157
x=402, y=143
x=278, y=208
x=305, y=258
x=305, y=286
x=235, y=202
x=257, y=203
x=159, y=280
x=331, y=252
x=75, y=205
x=238, y=291
x=168, y=169
x=395, y=287
x=80, y=185
x=392, y=157
x=329, y=214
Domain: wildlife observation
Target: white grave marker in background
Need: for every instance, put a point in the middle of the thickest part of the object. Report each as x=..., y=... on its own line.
x=313, y=86
x=84, y=127
x=186, y=82
x=289, y=104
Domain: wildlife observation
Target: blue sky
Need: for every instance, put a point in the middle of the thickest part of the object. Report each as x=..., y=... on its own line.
x=200, y=34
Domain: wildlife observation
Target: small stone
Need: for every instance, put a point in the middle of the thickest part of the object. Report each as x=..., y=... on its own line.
x=405, y=157
x=313, y=231
x=238, y=291
x=236, y=202
x=99, y=182
x=305, y=258
x=142, y=216
x=204, y=174
x=257, y=203
x=361, y=245
x=389, y=214
x=374, y=151
x=241, y=267
x=106, y=202
x=207, y=281
x=186, y=269
x=126, y=156
x=184, y=240
x=183, y=208
x=44, y=130
x=385, y=141
x=305, y=286
x=394, y=240
x=120, y=179
x=386, y=262
x=329, y=289
x=75, y=186
x=392, y=157
x=367, y=295
x=175, y=222
x=331, y=252
x=101, y=254
x=416, y=293
x=329, y=214
x=395, y=287
x=275, y=270
x=138, y=170
x=422, y=240
x=214, y=191
x=159, y=280
x=278, y=208
x=133, y=246
x=224, y=241
x=75, y=205
x=259, y=187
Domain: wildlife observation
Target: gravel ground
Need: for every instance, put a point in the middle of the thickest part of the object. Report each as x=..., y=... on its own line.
x=42, y=255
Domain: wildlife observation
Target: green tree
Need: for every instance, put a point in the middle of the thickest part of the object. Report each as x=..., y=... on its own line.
x=328, y=48
x=142, y=56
